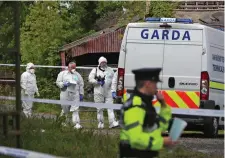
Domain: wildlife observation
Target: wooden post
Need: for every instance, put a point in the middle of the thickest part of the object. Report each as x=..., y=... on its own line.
x=5, y=125
x=17, y=55
x=63, y=59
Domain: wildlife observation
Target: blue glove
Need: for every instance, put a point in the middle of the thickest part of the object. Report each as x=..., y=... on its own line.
x=66, y=84
x=81, y=97
x=114, y=95
x=101, y=83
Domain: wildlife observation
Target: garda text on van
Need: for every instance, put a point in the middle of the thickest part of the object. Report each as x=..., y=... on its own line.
x=220, y=60
x=166, y=35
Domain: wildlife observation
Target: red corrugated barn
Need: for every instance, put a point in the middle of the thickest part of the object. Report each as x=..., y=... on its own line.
x=87, y=50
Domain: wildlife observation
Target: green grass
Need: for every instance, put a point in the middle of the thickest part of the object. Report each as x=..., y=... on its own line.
x=67, y=142
x=46, y=108
x=64, y=141
x=87, y=114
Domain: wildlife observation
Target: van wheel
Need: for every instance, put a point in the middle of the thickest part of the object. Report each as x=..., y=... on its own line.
x=211, y=127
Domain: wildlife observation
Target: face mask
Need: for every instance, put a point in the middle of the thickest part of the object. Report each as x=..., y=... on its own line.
x=73, y=71
x=32, y=71
x=103, y=65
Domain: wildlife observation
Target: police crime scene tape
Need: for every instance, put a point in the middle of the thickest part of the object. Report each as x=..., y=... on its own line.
x=21, y=153
x=180, y=111
x=48, y=66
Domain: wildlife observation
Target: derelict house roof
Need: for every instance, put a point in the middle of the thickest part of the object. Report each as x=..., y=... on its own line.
x=215, y=20
x=107, y=40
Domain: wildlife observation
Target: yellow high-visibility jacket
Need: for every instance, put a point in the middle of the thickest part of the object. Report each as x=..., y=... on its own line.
x=141, y=125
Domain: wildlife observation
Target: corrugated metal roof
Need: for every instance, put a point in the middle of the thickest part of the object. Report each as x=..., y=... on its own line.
x=105, y=43
x=90, y=37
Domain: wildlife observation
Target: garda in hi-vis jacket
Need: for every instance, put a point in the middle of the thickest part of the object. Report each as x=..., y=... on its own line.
x=142, y=126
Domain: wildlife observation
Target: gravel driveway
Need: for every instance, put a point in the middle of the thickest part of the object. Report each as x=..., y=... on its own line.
x=213, y=147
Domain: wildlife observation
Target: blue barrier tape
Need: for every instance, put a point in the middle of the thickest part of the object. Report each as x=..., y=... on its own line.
x=179, y=111
x=21, y=153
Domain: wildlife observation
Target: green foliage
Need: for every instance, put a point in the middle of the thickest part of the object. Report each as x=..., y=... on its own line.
x=134, y=9
x=83, y=15
x=7, y=28
x=41, y=34
x=6, y=31
x=162, y=8
x=104, y=7
x=137, y=10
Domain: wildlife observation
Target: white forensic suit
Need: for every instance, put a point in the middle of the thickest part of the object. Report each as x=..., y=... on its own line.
x=102, y=94
x=29, y=87
x=71, y=92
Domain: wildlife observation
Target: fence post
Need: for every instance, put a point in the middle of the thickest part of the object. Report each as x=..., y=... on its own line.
x=5, y=125
x=17, y=55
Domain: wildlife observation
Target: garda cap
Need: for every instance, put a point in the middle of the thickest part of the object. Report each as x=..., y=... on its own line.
x=151, y=74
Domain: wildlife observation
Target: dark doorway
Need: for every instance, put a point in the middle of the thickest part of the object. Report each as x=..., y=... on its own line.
x=92, y=59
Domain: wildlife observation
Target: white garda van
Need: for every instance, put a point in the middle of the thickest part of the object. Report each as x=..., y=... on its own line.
x=192, y=58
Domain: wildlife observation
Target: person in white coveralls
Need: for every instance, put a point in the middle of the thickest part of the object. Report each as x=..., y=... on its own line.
x=71, y=85
x=101, y=77
x=29, y=87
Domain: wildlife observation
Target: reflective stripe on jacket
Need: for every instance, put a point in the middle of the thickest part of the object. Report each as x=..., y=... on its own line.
x=133, y=115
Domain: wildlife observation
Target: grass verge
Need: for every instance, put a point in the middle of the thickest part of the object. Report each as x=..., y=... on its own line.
x=67, y=142
x=46, y=108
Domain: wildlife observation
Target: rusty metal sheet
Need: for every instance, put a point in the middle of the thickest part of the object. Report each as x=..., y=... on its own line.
x=106, y=43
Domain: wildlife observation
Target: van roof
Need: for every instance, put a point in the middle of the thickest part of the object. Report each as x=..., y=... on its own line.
x=174, y=25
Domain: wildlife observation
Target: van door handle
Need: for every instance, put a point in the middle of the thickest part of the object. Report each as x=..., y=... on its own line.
x=171, y=82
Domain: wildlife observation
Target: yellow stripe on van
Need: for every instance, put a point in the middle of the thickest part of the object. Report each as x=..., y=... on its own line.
x=194, y=97
x=180, y=99
x=216, y=85
x=176, y=98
